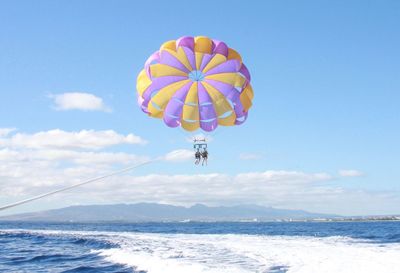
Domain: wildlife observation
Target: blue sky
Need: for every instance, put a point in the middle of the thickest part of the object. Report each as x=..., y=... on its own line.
x=325, y=76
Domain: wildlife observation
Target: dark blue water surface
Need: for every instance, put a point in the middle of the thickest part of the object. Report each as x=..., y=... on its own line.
x=71, y=247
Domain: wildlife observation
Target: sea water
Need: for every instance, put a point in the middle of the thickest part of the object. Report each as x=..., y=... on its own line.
x=301, y=247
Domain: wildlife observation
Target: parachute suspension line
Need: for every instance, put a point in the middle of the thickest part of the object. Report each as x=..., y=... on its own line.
x=91, y=180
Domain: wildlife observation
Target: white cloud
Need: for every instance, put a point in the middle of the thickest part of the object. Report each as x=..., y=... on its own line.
x=350, y=173
x=26, y=170
x=283, y=189
x=79, y=101
x=34, y=163
x=250, y=156
x=84, y=139
x=179, y=155
x=30, y=172
x=76, y=157
x=282, y=175
x=6, y=131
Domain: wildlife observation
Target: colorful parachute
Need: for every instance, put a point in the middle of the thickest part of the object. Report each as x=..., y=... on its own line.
x=195, y=82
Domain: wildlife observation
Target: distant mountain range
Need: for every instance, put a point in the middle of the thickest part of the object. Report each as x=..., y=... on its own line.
x=151, y=212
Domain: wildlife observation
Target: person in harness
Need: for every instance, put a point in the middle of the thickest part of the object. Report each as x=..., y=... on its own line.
x=204, y=155
x=197, y=156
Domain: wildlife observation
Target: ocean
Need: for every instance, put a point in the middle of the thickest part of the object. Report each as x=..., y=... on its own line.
x=278, y=247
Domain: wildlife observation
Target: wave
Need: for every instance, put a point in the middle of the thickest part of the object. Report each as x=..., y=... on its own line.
x=234, y=253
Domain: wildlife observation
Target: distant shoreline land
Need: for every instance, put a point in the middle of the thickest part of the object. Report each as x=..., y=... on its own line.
x=153, y=212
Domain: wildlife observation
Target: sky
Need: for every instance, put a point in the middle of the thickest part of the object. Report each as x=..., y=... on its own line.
x=322, y=135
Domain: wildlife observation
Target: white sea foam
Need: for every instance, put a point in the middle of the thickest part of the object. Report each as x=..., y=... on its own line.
x=156, y=253
x=164, y=253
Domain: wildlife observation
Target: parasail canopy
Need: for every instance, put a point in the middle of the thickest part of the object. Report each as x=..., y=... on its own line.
x=195, y=82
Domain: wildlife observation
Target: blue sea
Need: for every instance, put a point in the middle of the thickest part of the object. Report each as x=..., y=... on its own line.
x=301, y=247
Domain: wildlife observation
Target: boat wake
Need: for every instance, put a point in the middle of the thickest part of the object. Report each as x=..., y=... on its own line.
x=229, y=253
